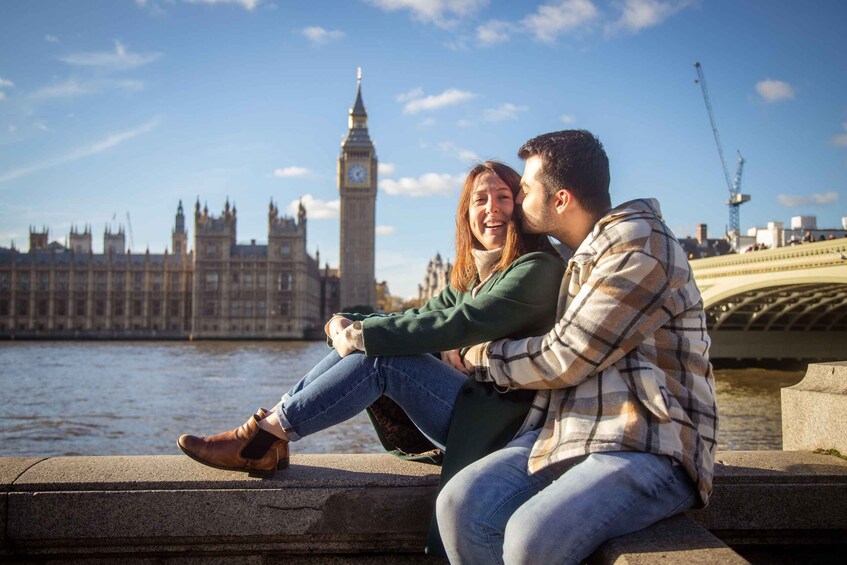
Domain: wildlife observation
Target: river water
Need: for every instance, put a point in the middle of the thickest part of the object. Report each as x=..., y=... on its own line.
x=136, y=398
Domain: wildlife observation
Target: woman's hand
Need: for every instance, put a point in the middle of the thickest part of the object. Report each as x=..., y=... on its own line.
x=453, y=359
x=349, y=339
x=337, y=325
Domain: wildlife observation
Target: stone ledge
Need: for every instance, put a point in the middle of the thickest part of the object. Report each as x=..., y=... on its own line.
x=814, y=411
x=362, y=508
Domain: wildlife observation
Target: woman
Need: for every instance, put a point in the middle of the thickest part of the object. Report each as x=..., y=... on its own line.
x=504, y=284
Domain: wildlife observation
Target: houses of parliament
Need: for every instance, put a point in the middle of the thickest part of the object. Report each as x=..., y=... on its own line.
x=220, y=289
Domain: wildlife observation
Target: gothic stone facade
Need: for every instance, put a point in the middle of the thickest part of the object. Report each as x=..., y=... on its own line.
x=223, y=290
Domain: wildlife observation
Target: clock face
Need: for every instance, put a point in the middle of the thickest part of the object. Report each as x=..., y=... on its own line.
x=357, y=174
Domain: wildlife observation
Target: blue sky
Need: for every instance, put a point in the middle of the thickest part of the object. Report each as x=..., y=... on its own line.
x=109, y=107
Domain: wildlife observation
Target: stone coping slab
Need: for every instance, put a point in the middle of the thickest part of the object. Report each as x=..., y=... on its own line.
x=787, y=467
x=11, y=468
x=178, y=472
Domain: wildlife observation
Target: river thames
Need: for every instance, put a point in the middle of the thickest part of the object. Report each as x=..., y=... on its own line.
x=136, y=398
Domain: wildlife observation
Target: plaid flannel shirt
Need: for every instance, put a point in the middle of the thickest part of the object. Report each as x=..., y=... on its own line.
x=626, y=366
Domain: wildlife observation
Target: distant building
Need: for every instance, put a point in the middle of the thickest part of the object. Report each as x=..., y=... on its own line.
x=803, y=229
x=701, y=246
x=436, y=278
x=357, y=185
x=221, y=289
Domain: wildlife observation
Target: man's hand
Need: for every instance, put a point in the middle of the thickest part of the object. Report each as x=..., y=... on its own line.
x=453, y=359
x=471, y=354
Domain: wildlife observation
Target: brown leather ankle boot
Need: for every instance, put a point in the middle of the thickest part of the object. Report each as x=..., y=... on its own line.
x=246, y=448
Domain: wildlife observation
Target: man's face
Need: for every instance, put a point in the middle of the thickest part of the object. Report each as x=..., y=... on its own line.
x=537, y=207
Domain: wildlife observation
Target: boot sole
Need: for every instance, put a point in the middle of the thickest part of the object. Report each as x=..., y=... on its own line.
x=250, y=472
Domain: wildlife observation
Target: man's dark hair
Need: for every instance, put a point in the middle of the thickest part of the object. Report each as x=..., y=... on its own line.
x=572, y=159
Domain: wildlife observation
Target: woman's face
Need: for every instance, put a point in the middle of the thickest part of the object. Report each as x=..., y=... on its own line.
x=490, y=211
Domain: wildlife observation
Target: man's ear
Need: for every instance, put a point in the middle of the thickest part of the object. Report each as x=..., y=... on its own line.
x=561, y=200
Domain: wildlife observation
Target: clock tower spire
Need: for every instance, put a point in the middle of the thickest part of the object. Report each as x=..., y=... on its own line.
x=357, y=178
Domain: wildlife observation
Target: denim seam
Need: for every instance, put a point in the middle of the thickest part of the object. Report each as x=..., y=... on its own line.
x=668, y=482
x=414, y=381
x=503, y=502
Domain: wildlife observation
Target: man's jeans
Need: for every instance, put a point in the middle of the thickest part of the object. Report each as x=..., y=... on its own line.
x=337, y=389
x=493, y=511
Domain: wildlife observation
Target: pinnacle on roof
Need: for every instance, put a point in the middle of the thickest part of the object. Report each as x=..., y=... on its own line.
x=358, y=108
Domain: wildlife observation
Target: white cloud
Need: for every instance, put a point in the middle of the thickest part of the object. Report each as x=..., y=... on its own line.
x=51, y=38
x=568, y=118
x=641, y=14
x=288, y=172
x=42, y=126
x=386, y=169
x=74, y=87
x=464, y=123
x=413, y=94
x=321, y=36
x=316, y=209
x=5, y=84
x=385, y=230
x=119, y=60
x=248, y=5
x=429, y=184
x=13, y=128
x=465, y=155
x=551, y=20
x=443, y=13
x=816, y=198
x=449, y=97
x=493, y=32
x=841, y=140
x=774, y=90
x=507, y=111
x=86, y=151
x=427, y=122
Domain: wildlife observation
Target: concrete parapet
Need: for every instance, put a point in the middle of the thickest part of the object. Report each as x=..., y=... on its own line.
x=777, y=497
x=363, y=509
x=675, y=540
x=170, y=506
x=814, y=411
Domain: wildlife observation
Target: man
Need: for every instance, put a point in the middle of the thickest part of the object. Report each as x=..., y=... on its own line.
x=626, y=416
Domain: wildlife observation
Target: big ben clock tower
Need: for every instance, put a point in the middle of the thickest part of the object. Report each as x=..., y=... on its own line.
x=357, y=187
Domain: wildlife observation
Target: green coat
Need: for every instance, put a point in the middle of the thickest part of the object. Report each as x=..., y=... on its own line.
x=519, y=301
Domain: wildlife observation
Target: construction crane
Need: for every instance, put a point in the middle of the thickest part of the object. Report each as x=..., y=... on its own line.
x=736, y=199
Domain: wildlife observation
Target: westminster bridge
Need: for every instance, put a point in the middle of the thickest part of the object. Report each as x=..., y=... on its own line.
x=783, y=303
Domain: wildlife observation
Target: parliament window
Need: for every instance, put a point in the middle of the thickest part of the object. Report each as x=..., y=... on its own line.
x=138, y=281
x=61, y=307
x=211, y=280
x=118, y=281
x=81, y=281
x=99, y=308
x=80, y=307
x=23, y=281
x=136, y=308
x=285, y=249
x=43, y=281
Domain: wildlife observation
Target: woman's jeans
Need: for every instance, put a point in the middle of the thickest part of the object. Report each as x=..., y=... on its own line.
x=337, y=389
x=494, y=511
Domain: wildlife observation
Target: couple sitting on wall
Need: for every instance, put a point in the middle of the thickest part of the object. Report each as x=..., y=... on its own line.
x=570, y=404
